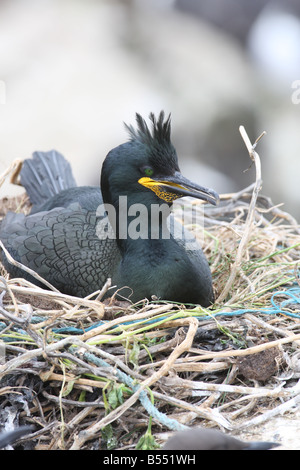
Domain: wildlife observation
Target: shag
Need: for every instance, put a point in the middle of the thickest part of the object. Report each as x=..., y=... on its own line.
x=211, y=439
x=9, y=437
x=78, y=237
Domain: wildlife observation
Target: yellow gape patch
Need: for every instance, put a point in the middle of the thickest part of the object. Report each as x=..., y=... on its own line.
x=159, y=187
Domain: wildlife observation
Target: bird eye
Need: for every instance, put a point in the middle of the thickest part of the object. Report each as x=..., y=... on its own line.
x=148, y=171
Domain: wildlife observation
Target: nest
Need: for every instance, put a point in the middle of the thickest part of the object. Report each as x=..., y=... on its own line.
x=111, y=375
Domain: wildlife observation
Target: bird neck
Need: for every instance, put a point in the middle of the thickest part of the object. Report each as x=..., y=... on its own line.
x=138, y=221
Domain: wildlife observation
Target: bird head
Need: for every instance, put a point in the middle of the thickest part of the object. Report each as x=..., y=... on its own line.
x=147, y=167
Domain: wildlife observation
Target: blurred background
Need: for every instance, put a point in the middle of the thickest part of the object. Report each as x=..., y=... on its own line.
x=72, y=71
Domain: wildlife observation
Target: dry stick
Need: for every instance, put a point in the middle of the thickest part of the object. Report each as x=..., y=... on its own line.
x=234, y=403
x=9, y=291
x=14, y=168
x=88, y=434
x=233, y=352
x=26, y=357
x=237, y=195
x=194, y=410
x=204, y=368
x=104, y=289
x=228, y=380
x=58, y=296
x=251, y=392
x=205, y=409
x=46, y=377
x=263, y=324
x=79, y=404
x=246, y=235
x=246, y=352
x=290, y=405
x=92, y=334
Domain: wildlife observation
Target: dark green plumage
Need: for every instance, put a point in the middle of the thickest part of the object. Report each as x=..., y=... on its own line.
x=63, y=239
x=211, y=439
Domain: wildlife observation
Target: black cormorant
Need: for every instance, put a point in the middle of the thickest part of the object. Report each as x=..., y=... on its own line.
x=68, y=240
x=9, y=437
x=211, y=439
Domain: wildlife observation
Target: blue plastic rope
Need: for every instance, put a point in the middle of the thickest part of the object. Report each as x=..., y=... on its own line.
x=145, y=401
x=276, y=308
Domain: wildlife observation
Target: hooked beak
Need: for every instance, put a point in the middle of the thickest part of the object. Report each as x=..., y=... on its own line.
x=172, y=187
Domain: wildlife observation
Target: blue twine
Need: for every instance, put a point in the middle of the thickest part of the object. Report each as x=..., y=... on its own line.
x=278, y=307
x=293, y=300
x=67, y=330
x=143, y=397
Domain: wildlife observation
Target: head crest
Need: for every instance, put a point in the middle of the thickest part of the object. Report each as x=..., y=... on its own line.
x=159, y=134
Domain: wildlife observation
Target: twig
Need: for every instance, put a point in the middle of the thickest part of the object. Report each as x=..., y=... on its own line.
x=201, y=411
x=244, y=352
x=79, y=404
x=14, y=168
x=104, y=289
x=126, y=318
x=247, y=228
x=289, y=405
x=191, y=386
x=57, y=296
x=26, y=357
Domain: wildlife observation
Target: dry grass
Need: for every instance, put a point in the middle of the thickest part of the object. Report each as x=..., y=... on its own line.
x=232, y=366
